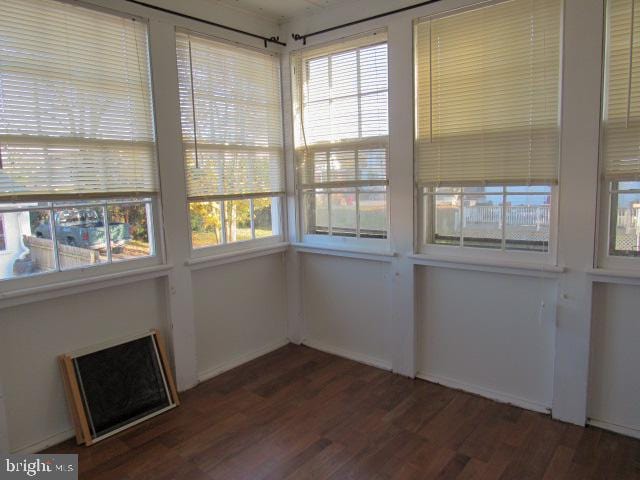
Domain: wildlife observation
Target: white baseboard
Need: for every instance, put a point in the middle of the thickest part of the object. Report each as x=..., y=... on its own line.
x=239, y=360
x=628, y=431
x=340, y=352
x=486, y=392
x=46, y=443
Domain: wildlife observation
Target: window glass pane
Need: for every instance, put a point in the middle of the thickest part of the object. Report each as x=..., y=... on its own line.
x=344, y=74
x=373, y=214
x=237, y=220
x=344, y=118
x=343, y=214
x=625, y=227
x=373, y=68
x=445, y=190
x=27, y=251
x=527, y=222
x=372, y=164
x=530, y=189
x=628, y=186
x=374, y=114
x=316, y=206
x=317, y=79
x=206, y=224
x=80, y=235
x=446, y=221
x=482, y=221
x=342, y=165
x=129, y=231
x=265, y=215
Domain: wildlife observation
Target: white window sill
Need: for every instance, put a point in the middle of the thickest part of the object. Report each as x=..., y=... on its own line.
x=493, y=265
x=615, y=275
x=364, y=254
x=80, y=285
x=199, y=263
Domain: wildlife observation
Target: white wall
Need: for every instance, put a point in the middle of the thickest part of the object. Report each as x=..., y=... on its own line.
x=32, y=336
x=347, y=307
x=240, y=312
x=614, y=393
x=488, y=333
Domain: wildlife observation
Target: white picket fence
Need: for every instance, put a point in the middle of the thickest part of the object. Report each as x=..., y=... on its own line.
x=524, y=215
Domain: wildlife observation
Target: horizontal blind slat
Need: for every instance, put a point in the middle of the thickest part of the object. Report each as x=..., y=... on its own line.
x=487, y=95
x=235, y=146
x=621, y=113
x=75, y=102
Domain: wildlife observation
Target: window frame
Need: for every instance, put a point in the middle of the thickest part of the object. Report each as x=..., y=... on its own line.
x=42, y=279
x=604, y=258
x=344, y=240
x=548, y=258
x=340, y=241
x=211, y=251
x=240, y=245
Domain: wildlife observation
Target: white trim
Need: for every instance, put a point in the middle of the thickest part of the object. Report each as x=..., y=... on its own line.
x=235, y=256
x=209, y=373
x=501, y=397
x=493, y=265
x=355, y=356
x=376, y=255
x=70, y=287
x=612, y=427
x=50, y=441
x=611, y=275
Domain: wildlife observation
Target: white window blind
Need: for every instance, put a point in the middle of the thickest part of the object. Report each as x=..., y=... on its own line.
x=75, y=102
x=621, y=147
x=231, y=119
x=487, y=95
x=341, y=114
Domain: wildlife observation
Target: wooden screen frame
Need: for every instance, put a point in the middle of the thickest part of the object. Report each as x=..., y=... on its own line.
x=76, y=405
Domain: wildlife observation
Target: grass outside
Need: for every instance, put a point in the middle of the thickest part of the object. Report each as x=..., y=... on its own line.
x=373, y=217
x=207, y=239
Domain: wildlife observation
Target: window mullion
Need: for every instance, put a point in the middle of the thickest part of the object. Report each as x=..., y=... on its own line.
x=461, y=207
x=253, y=227
x=503, y=230
x=107, y=231
x=223, y=221
x=54, y=238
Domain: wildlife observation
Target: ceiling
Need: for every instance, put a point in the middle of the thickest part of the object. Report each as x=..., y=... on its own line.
x=280, y=10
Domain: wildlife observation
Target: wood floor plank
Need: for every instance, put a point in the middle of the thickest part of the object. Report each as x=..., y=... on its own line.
x=297, y=413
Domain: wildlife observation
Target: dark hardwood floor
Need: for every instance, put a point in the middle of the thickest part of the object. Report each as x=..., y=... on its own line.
x=299, y=413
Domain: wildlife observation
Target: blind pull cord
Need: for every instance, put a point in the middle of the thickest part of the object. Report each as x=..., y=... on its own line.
x=193, y=106
x=631, y=40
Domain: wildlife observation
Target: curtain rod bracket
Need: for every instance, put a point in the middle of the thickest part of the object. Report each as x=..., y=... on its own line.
x=297, y=37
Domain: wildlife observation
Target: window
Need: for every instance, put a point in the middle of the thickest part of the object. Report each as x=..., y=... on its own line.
x=341, y=142
x=78, y=173
x=487, y=125
x=232, y=139
x=505, y=218
x=621, y=127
